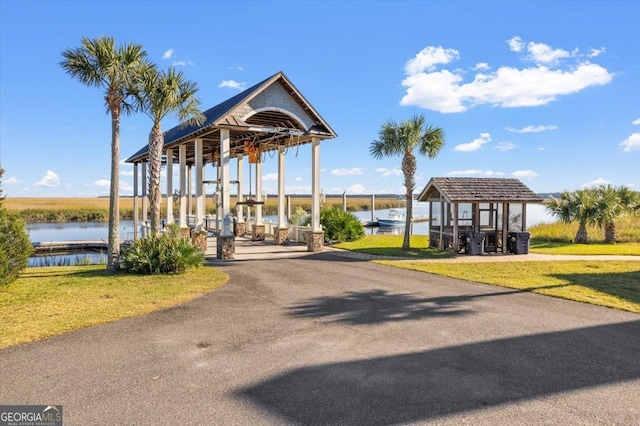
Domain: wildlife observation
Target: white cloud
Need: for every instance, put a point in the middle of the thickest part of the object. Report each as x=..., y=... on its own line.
x=299, y=179
x=126, y=173
x=542, y=148
x=474, y=145
x=482, y=66
x=596, y=52
x=515, y=44
x=428, y=58
x=541, y=53
x=532, y=129
x=347, y=172
x=525, y=174
x=597, y=182
x=389, y=172
x=102, y=183
x=232, y=84
x=356, y=189
x=168, y=54
x=636, y=122
x=294, y=189
x=445, y=91
x=474, y=172
x=505, y=146
x=631, y=143
x=50, y=180
x=270, y=177
x=12, y=181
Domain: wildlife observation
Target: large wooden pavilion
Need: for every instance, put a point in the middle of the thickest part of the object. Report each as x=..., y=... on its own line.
x=485, y=209
x=269, y=116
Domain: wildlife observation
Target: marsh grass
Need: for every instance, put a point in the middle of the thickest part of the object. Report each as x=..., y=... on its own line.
x=45, y=302
x=615, y=284
x=628, y=229
x=34, y=210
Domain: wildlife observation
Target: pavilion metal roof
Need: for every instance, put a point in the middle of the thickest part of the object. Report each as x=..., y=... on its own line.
x=486, y=190
x=269, y=129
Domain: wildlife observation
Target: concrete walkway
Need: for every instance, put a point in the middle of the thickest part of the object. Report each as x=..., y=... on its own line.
x=328, y=339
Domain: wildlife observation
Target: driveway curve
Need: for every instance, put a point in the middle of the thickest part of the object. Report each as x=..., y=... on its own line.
x=328, y=339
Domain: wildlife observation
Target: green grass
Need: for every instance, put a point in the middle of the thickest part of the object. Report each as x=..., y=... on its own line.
x=545, y=247
x=628, y=230
x=389, y=245
x=45, y=302
x=615, y=284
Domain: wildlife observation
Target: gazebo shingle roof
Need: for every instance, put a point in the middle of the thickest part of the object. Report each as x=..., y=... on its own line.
x=466, y=189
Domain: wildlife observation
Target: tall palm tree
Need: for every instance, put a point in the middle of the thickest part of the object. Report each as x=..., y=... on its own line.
x=99, y=63
x=613, y=204
x=159, y=94
x=575, y=206
x=403, y=139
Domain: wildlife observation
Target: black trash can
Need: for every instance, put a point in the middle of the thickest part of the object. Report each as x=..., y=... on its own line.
x=518, y=242
x=475, y=243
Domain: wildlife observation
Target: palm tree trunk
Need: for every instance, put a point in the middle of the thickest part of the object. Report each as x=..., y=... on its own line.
x=113, y=246
x=409, y=170
x=155, y=165
x=610, y=234
x=581, y=236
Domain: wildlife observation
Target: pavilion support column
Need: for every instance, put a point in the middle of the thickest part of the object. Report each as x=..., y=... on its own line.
x=315, y=238
x=281, y=233
x=182, y=152
x=226, y=245
x=505, y=227
x=241, y=226
x=455, y=227
x=524, y=217
x=258, y=231
x=189, y=191
x=136, y=210
x=169, y=186
x=145, y=199
x=199, y=184
x=442, y=222
x=373, y=207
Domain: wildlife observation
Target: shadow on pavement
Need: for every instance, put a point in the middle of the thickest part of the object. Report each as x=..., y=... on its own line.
x=625, y=285
x=425, y=385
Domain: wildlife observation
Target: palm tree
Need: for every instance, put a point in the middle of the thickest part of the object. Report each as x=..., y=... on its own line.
x=159, y=94
x=574, y=206
x=402, y=139
x=99, y=63
x=613, y=204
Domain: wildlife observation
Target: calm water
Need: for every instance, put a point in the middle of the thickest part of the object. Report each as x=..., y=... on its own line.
x=42, y=232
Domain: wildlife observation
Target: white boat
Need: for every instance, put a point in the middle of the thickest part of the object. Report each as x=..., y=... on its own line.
x=396, y=218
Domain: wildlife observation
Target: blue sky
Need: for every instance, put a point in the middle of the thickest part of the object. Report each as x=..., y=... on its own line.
x=548, y=92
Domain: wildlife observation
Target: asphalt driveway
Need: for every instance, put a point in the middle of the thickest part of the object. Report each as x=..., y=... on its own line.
x=325, y=339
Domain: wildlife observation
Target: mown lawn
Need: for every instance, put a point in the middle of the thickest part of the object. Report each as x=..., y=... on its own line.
x=546, y=247
x=45, y=302
x=390, y=245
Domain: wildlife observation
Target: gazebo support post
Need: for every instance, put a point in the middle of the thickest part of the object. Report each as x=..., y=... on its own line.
x=454, y=244
x=136, y=210
x=315, y=237
x=241, y=226
x=182, y=153
x=258, y=228
x=145, y=200
x=169, y=186
x=281, y=232
x=225, y=243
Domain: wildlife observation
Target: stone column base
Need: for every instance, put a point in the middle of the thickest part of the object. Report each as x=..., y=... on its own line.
x=258, y=233
x=315, y=241
x=241, y=229
x=185, y=232
x=226, y=247
x=280, y=235
x=199, y=239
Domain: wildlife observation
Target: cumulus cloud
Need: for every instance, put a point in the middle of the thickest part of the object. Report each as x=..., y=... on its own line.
x=232, y=84
x=636, y=122
x=474, y=145
x=505, y=146
x=182, y=63
x=430, y=86
x=347, y=172
x=389, y=172
x=299, y=179
x=270, y=177
x=482, y=66
x=356, y=189
x=525, y=174
x=631, y=143
x=596, y=52
x=50, y=180
x=542, y=148
x=12, y=181
x=102, y=183
x=168, y=54
x=597, y=182
x=531, y=129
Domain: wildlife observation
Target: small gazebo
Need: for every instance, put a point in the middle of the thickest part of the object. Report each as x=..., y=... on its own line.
x=487, y=211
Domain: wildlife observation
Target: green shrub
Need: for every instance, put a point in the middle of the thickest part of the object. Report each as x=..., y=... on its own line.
x=161, y=254
x=339, y=225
